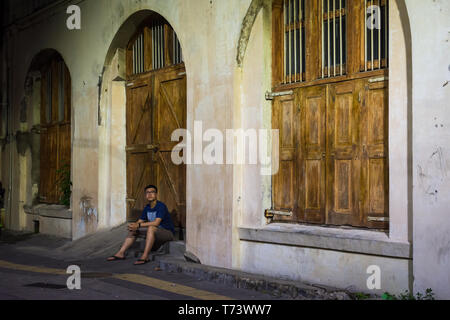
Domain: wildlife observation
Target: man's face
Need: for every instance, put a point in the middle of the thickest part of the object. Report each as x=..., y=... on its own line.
x=150, y=194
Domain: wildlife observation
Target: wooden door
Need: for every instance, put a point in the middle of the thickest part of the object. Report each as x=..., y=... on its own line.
x=156, y=106
x=374, y=165
x=139, y=150
x=311, y=159
x=55, y=129
x=170, y=94
x=344, y=153
x=285, y=190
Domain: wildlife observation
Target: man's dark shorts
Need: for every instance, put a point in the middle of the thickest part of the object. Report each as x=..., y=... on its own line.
x=161, y=236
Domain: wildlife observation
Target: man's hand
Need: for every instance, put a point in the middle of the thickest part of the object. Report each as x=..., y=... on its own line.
x=133, y=226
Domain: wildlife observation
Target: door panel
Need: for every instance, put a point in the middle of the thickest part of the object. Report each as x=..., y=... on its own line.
x=285, y=181
x=170, y=115
x=374, y=155
x=312, y=155
x=343, y=154
x=140, y=171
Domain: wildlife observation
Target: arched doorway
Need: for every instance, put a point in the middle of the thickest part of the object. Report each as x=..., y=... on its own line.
x=155, y=107
x=52, y=120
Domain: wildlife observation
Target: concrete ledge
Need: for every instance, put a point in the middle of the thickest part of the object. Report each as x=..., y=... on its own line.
x=50, y=211
x=265, y=284
x=338, y=239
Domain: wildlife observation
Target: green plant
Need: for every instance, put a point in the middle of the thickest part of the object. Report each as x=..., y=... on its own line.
x=64, y=184
x=429, y=295
x=361, y=296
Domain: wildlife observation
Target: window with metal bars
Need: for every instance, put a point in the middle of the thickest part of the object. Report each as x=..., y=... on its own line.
x=376, y=35
x=334, y=38
x=155, y=47
x=294, y=41
x=321, y=39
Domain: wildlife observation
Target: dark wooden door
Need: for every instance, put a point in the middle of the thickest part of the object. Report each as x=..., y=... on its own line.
x=311, y=159
x=344, y=153
x=156, y=106
x=55, y=129
x=170, y=115
x=140, y=158
x=332, y=147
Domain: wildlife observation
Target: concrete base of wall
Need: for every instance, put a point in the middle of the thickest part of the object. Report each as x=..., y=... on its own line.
x=342, y=270
x=49, y=220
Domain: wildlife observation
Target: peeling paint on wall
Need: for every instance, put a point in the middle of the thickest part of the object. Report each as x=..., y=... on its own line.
x=433, y=174
x=87, y=208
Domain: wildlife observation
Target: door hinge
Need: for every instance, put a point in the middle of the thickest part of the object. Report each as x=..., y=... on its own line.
x=269, y=213
x=377, y=219
x=271, y=95
x=380, y=79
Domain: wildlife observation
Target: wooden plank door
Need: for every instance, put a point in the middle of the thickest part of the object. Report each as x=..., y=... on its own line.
x=311, y=158
x=375, y=179
x=55, y=136
x=344, y=153
x=140, y=157
x=170, y=94
x=285, y=190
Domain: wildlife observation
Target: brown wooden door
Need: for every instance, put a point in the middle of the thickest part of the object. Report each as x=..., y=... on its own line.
x=344, y=153
x=140, y=171
x=313, y=103
x=156, y=106
x=285, y=190
x=333, y=164
x=55, y=129
x=170, y=93
x=375, y=179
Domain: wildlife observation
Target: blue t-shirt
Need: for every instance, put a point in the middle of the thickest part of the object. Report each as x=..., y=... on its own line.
x=159, y=211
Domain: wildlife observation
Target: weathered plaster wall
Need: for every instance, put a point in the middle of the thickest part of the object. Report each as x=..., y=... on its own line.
x=330, y=268
x=430, y=27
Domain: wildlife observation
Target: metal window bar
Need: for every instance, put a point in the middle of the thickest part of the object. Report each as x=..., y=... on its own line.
x=49, y=95
x=293, y=47
x=61, y=92
x=284, y=40
x=373, y=38
x=333, y=38
x=341, y=60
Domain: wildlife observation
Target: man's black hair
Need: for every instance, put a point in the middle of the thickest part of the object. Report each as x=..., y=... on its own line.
x=151, y=186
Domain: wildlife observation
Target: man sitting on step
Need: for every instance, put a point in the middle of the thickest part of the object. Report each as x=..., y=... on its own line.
x=155, y=222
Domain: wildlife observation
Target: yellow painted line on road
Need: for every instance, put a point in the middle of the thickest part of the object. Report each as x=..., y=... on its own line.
x=21, y=267
x=135, y=278
x=170, y=287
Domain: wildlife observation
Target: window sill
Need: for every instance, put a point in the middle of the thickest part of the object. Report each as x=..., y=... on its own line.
x=49, y=211
x=337, y=239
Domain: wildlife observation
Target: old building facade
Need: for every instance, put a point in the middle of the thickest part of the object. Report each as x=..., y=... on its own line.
x=362, y=115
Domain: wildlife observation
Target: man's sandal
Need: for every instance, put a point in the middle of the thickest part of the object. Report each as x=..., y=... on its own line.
x=115, y=258
x=141, y=260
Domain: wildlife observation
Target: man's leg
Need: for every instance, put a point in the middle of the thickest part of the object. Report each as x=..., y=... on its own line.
x=126, y=245
x=149, y=241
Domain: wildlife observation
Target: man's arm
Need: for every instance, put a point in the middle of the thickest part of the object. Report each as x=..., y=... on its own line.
x=155, y=223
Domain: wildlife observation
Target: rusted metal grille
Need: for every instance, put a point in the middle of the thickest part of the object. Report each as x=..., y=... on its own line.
x=334, y=38
x=294, y=40
x=376, y=37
